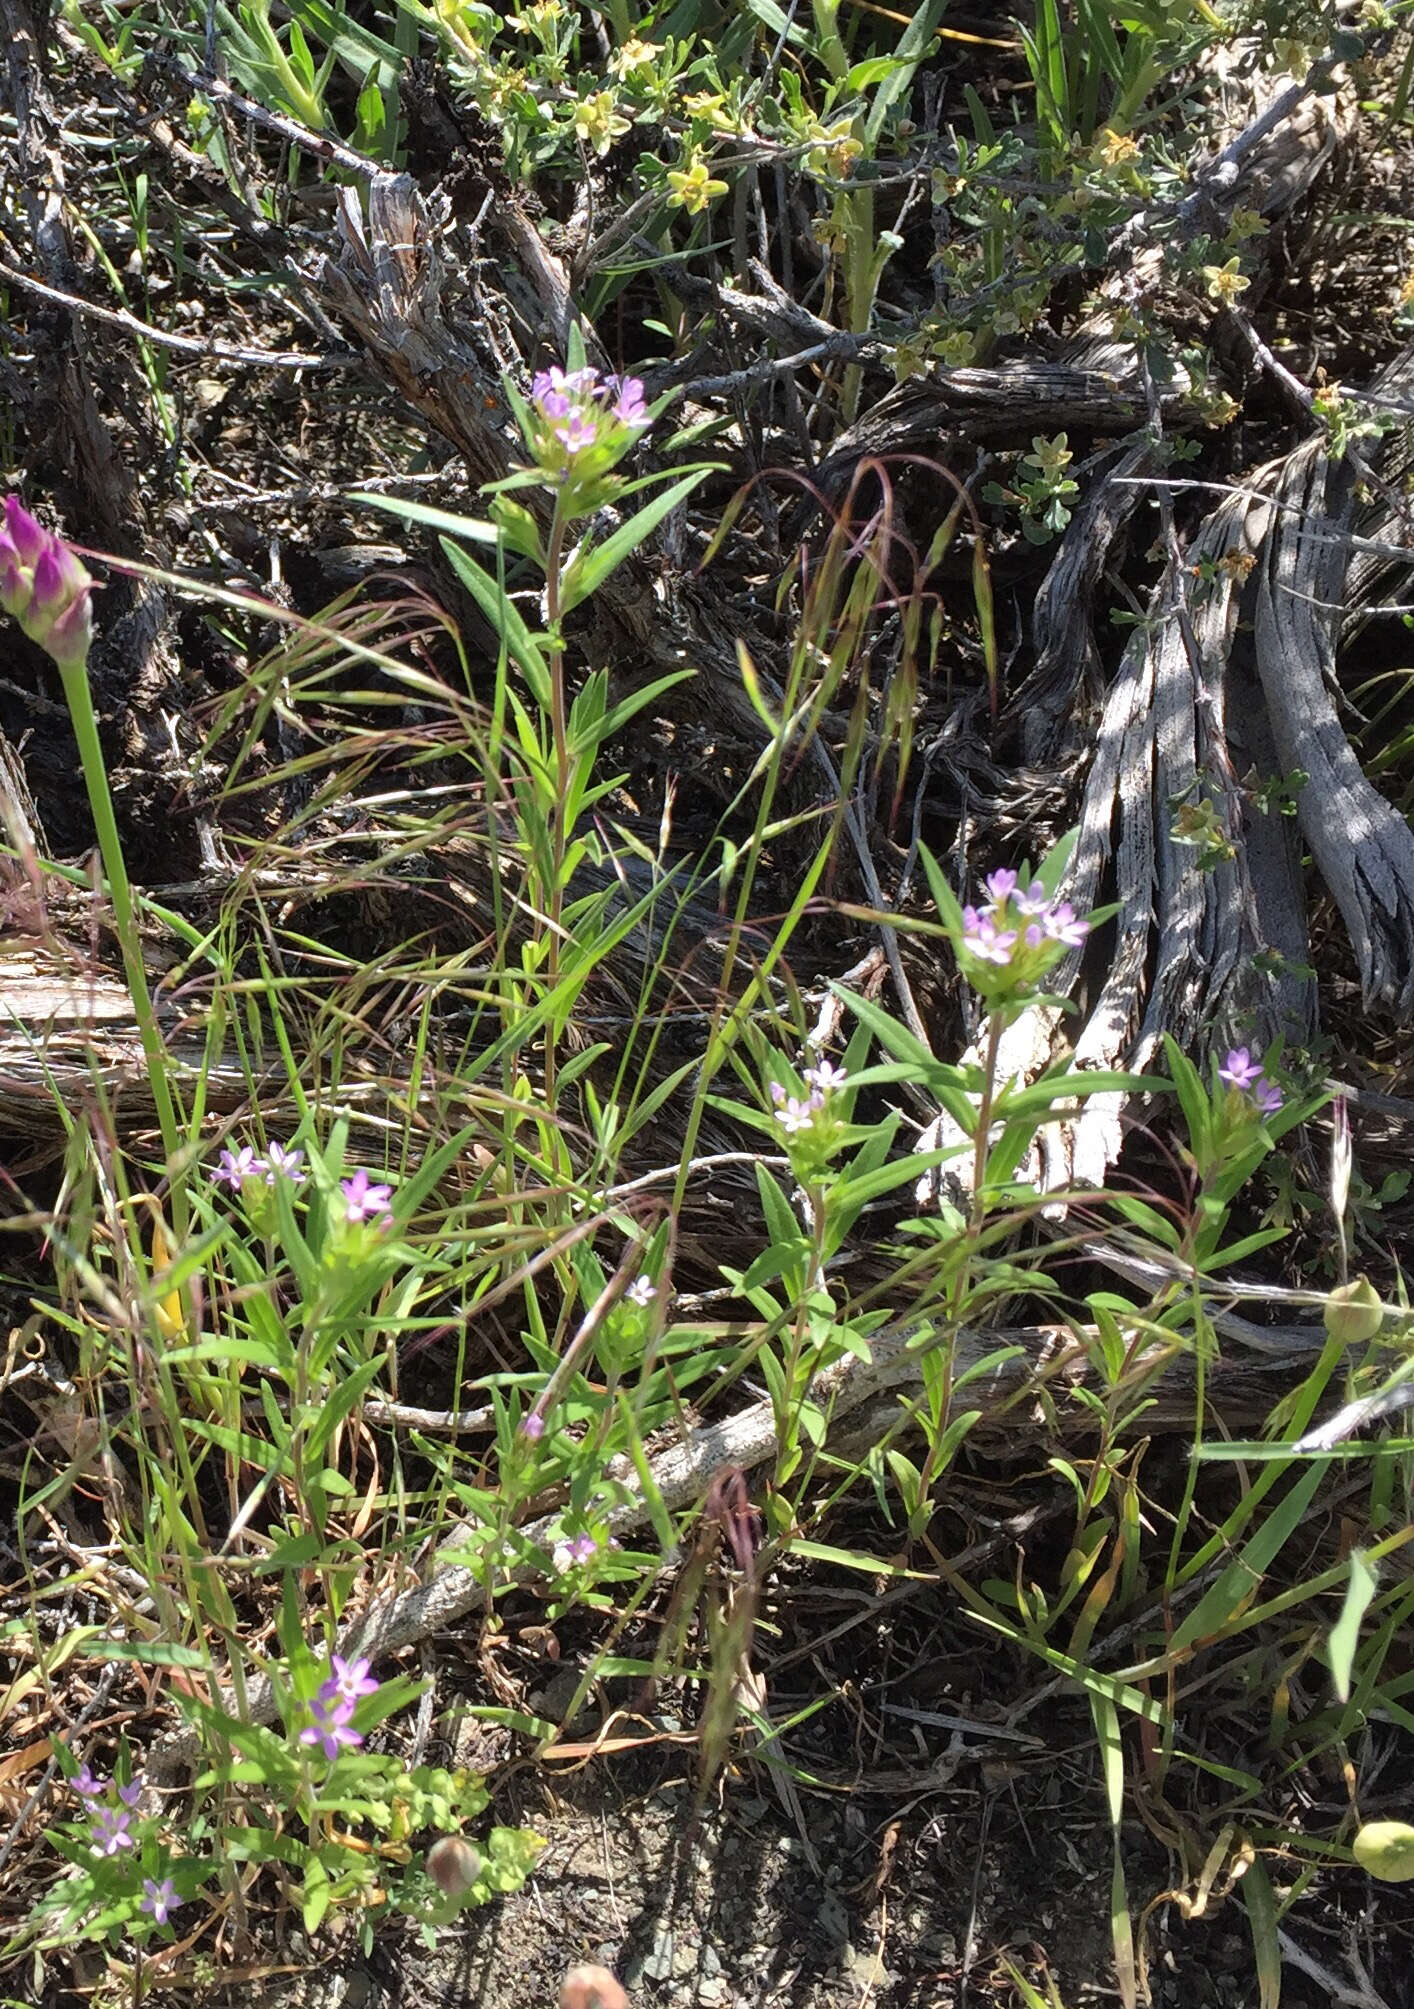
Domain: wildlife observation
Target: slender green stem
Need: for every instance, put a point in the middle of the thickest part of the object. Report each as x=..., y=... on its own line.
x=559, y=731
x=95, y=774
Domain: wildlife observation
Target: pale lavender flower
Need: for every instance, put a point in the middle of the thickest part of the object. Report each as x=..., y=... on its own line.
x=87, y=1786
x=283, y=1164
x=1241, y=1069
x=1001, y=886
x=796, y=1115
x=824, y=1077
x=234, y=1167
x=641, y=1291
x=131, y=1793
x=332, y=1728
x=1032, y=899
x=364, y=1200
x=577, y=432
x=533, y=1426
x=567, y=1555
x=1062, y=924
x=111, y=1829
x=159, y=1899
x=1269, y=1097
x=628, y=406
x=984, y=939
x=348, y=1680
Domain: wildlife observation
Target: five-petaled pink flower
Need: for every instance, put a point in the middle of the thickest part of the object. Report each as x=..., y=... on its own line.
x=159, y=1899
x=365, y=1201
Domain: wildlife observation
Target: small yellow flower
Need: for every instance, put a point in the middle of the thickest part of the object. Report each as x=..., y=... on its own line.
x=1245, y=223
x=703, y=104
x=1225, y=282
x=1113, y=149
x=539, y=15
x=839, y=152
x=597, y=122
x=693, y=186
x=634, y=55
x=1292, y=55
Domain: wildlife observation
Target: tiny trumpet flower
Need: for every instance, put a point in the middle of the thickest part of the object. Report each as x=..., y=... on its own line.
x=568, y=1555
x=111, y=1829
x=233, y=1168
x=1242, y=1072
x=333, y=1704
x=281, y=1163
x=332, y=1725
x=45, y=588
x=348, y=1680
x=364, y=1200
x=159, y=1898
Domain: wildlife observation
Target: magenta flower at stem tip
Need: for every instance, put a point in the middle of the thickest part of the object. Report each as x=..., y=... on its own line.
x=111, y=1829
x=158, y=1899
x=365, y=1201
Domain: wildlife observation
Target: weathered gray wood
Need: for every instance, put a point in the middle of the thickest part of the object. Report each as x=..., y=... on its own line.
x=1362, y=846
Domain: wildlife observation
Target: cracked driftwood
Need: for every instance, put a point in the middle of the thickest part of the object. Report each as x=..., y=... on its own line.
x=1229, y=675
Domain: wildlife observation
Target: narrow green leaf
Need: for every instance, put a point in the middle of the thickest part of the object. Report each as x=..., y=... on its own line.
x=1345, y=1633
x=586, y=573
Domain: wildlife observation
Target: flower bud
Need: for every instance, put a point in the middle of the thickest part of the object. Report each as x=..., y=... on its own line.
x=1386, y=1850
x=453, y=1865
x=45, y=588
x=1353, y=1313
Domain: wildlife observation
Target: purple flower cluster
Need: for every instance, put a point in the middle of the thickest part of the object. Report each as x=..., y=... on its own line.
x=45, y=588
x=364, y=1199
x=575, y=404
x=798, y=1113
x=333, y=1704
x=110, y=1826
x=235, y=1167
x=581, y=424
x=1020, y=930
x=1243, y=1071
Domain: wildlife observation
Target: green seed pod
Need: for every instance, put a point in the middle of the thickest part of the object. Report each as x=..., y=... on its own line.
x=453, y=1865
x=1353, y=1312
x=1386, y=1850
